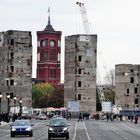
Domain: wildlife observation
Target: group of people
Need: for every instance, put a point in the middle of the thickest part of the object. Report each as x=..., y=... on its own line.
x=135, y=118
x=120, y=117
x=4, y=117
x=83, y=116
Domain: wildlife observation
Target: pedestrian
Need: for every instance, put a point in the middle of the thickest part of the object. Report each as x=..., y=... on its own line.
x=107, y=117
x=136, y=119
x=131, y=118
x=80, y=117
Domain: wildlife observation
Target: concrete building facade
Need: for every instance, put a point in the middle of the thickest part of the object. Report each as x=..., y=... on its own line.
x=80, y=71
x=15, y=68
x=127, y=83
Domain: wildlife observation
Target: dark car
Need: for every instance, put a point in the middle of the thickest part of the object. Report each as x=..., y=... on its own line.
x=21, y=127
x=58, y=127
x=26, y=116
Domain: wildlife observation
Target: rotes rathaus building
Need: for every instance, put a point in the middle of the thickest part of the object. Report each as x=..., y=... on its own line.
x=80, y=72
x=48, y=55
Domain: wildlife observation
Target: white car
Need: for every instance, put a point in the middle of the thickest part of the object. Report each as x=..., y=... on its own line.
x=41, y=117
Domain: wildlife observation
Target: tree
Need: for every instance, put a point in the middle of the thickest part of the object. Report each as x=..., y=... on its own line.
x=57, y=98
x=98, y=104
x=40, y=93
x=111, y=80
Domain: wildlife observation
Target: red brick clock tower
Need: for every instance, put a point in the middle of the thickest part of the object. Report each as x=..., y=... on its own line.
x=48, y=55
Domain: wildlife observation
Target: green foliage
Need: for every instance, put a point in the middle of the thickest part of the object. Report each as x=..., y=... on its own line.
x=57, y=100
x=110, y=96
x=98, y=104
x=45, y=95
x=39, y=90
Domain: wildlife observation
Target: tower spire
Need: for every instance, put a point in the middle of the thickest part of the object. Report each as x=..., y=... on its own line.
x=49, y=26
x=49, y=21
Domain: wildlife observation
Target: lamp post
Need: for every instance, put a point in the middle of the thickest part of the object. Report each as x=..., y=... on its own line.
x=20, y=105
x=8, y=101
x=15, y=98
x=0, y=101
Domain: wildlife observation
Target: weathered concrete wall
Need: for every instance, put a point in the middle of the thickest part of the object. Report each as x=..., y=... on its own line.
x=80, y=71
x=16, y=66
x=127, y=81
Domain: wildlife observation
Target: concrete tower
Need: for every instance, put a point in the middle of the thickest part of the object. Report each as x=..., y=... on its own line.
x=127, y=86
x=16, y=68
x=80, y=71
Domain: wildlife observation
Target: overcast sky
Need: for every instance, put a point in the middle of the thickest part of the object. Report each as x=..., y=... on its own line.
x=116, y=22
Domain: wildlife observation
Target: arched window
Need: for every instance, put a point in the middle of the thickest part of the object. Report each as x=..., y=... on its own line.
x=45, y=43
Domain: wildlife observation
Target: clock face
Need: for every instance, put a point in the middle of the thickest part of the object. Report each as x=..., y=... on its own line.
x=52, y=43
x=45, y=43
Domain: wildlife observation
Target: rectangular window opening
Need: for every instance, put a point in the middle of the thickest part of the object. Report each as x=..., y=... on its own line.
x=131, y=79
x=12, y=82
x=136, y=101
x=79, y=96
x=136, y=90
x=12, y=42
x=79, y=71
x=12, y=55
x=79, y=83
x=46, y=56
x=12, y=68
x=127, y=90
x=80, y=58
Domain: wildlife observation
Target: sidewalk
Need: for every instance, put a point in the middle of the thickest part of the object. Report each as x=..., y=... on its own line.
x=3, y=124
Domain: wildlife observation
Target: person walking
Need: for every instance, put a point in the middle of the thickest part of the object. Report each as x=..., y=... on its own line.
x=80, y=117
x=136, y=119
x=107, y=117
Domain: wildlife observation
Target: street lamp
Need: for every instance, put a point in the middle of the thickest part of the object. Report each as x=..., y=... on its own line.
x=15, y=98
x=0, y=101
x=20, y=105
x=8, y=101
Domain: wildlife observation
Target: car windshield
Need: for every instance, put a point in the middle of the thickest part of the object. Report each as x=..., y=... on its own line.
x=21, y=123
x=58, y=122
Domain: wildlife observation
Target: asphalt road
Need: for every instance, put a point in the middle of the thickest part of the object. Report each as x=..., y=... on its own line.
x=85, y=130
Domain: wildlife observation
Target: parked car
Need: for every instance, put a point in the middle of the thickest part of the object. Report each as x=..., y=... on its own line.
x=56, y=116
x=21, y=127
x=41, y=117
x=58, y=127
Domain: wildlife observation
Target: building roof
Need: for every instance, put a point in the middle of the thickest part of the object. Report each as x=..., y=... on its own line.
x=49, y=27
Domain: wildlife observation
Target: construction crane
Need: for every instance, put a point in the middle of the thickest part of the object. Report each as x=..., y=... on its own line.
x=105, y=103
x=84, y=17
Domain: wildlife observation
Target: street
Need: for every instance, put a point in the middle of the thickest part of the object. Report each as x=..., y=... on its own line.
x=85, y=130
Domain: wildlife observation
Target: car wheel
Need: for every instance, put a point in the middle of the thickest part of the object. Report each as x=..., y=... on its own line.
x=67, y=137
x=12, y=135
x=31, y=135
x=49, y=137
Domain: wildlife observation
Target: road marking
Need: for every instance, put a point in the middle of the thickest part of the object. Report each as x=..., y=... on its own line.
x=41, y=135
x=117, y=132
x=86, y=132
x=131, y=128
x=75, y=131
x=36, y=124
